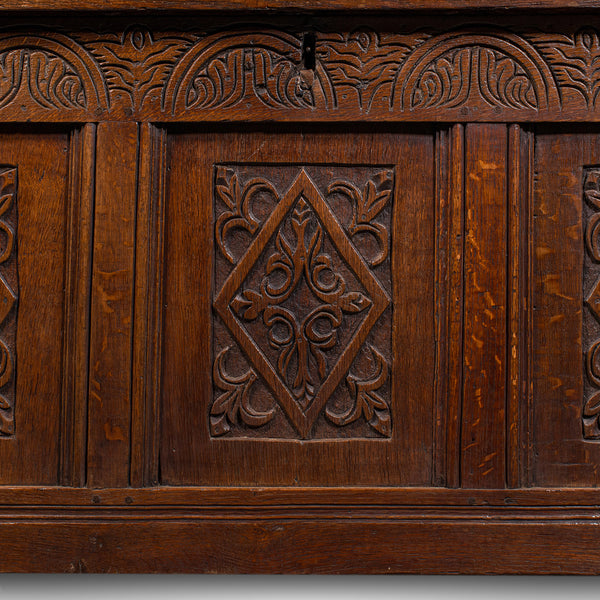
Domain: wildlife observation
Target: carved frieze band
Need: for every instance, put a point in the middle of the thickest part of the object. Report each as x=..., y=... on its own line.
x=302, y=329
x=473, y=72
x=8, y=298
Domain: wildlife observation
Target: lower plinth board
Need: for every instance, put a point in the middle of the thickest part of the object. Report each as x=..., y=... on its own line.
x=227, y=543
x=275, y=530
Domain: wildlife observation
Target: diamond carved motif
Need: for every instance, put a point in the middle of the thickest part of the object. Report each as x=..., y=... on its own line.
x=593, y=300
x=300, y=303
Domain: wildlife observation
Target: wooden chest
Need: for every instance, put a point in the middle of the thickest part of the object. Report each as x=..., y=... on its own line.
x=297, y=286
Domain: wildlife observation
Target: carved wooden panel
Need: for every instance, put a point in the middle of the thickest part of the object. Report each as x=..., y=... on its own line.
x=295, y=291
x=285, y=69
x=9, y=289
x=591, y=311
x=564, y=328
x=43, y=254
x=302, y=292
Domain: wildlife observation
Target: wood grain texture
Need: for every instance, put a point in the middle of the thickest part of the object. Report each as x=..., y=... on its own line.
x=300, y=290
x=290, y=5
x=559, y=425
x=483, y=435
x=450, y=69
x=190, y=450
x=145, y=414
x=450, y=263
x=519, y=312
x=77, y=314
x=31, y=454
x=109, y=411
x=300, y=545
x=286, y=498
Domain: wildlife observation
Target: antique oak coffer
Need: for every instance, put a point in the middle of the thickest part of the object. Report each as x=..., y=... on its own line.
x=300, y=286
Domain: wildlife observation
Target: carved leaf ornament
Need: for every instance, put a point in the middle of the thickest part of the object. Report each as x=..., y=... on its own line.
x=287, y=301
x=138, y=69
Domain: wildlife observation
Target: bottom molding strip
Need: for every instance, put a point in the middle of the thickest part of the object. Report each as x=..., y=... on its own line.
x=430, y=546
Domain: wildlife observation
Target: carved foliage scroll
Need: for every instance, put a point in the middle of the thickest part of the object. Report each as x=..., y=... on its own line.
x=476, y=70
x=491, y=68
x=52, y=70
x=575, y=60
x=229, y=68
x=302, y=330
x=50, y=81
x=8, y=298
x=473, y=74
x=137, y=62
x=362, y=65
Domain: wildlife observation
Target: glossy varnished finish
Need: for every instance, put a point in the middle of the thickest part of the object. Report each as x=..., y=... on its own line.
x=300, y=289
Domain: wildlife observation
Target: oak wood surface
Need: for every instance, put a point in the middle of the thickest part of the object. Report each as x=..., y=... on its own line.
x=295, y=288
x=57, y=499
x=188, y=454
x=250, y=546
x=77, y=301
x=291, y=5
x=258, y=67
x=563, y=323
x=31, y=444
x=483, y=443
x=109, y=412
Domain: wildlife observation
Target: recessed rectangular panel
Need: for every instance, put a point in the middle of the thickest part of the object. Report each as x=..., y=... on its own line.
x=302, y=302
x=565, y=324
x=299, y=309
x=34, y=237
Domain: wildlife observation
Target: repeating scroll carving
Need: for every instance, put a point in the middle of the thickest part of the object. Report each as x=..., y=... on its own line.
x=233, y=405
x=237, y=199
x=8, y=298
x=362, y=65
x=50, y=81
x=137, y=62
x=52, y=71
x=300, y=302
x=143, y=71
x=225, y=69
x=493, y=68
x=576, y=61
x=366, y=206
x=367, y=402
x=492, y=76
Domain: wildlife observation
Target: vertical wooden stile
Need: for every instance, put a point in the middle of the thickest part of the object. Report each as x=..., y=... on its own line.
x=109, y=413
